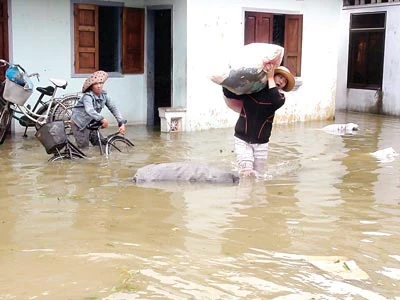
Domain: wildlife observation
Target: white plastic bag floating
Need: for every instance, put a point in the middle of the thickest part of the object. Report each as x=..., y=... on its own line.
x=385, y=155
x=243, y=72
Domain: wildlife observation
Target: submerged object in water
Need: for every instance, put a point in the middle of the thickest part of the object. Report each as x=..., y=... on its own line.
x=184, y=172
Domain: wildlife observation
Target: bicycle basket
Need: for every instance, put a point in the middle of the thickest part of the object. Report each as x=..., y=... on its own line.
x=16, y=93
x=52, y=136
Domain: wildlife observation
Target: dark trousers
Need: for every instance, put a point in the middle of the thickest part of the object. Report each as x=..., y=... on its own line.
x=84, y=136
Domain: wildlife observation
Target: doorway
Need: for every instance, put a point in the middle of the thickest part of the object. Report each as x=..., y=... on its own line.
x=159, y=62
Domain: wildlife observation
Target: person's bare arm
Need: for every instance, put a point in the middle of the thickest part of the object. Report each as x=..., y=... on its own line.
x=270, y=70
x=104, y=123
x=122, y=129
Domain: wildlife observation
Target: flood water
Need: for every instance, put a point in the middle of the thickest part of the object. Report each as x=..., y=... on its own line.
x=324, y=223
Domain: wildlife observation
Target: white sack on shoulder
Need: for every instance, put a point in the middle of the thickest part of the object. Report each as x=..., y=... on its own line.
x=243, y=72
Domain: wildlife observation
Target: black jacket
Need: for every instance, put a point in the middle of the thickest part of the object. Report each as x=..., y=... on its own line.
x=255, y=121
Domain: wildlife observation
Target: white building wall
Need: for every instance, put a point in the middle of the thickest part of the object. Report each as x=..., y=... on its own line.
x=179, y=59
x=366, y=100
x=216, y=26
x=203, y=32
x=42, y=41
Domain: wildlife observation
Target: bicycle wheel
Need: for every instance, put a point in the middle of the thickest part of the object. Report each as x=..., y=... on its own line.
x=5, y=121
x=65, y=156
x=70, y=152
x=119, y=144
x=62, y=111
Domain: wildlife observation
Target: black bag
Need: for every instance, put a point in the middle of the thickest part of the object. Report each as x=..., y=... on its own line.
x=52, y=136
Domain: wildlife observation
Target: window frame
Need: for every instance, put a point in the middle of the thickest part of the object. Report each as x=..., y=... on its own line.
x=85, y=38
x=352, y=61
x=259, y=28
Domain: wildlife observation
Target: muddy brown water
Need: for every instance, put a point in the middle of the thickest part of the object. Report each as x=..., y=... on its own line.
x=323, y=223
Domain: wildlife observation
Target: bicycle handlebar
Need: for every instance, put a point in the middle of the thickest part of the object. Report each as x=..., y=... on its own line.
x=96, y=125
x=36, y=75
x=4, y=63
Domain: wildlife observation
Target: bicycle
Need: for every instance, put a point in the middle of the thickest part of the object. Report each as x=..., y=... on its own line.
x=14, y=96
x=55, y=140
x=113, y=142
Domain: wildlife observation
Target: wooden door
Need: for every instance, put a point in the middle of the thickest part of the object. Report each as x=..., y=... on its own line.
x=3, y=34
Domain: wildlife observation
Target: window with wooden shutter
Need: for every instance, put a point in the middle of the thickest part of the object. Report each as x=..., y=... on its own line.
x=293, y=42
x=110, y=38
x=283, y=30
x=258, y=27
x=86, y=38
x=133, y=40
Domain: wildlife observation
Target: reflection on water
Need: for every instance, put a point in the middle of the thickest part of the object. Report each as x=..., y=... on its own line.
x=82, y=230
